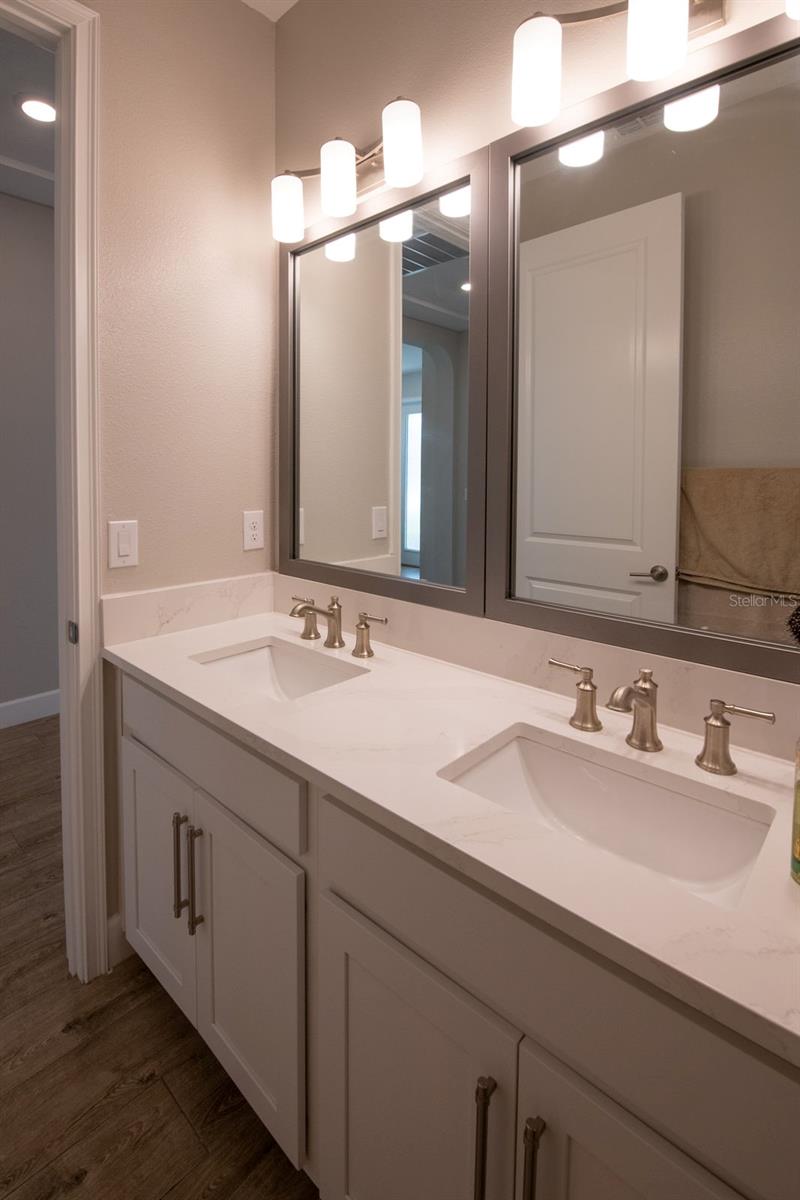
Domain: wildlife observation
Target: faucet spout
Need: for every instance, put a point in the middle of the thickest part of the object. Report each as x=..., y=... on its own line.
x=640, y=698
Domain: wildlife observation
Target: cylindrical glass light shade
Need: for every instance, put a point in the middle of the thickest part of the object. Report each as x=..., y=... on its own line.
x=457, y=203
x=793, y=9
x=398, y=228
x=402, y=143
x=341, y=249
x=658, y=37
x=692, y=112
x=288, y=216
x=583, y=151
x=338, y=187
x=536, y=72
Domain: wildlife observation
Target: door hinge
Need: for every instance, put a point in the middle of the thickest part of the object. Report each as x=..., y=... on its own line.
x=72, y=632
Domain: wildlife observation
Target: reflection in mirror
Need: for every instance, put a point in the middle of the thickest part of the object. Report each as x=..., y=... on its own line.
x=382, y=319
x=658, y=364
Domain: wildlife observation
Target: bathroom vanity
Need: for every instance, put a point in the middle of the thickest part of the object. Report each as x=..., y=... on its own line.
x=447, y=945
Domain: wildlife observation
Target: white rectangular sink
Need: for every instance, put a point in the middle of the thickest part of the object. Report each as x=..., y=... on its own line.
x=701, y=838
x=275, y=669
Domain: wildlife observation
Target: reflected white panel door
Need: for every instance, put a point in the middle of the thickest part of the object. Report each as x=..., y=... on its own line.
x=599, y=399
x=592, y=1149
x=402, y=1049
x=251, y=968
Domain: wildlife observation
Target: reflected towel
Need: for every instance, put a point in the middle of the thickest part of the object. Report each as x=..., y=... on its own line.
x=740, y=528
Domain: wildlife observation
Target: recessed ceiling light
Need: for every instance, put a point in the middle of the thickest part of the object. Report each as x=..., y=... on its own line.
x=38, y=110
x=466, y=287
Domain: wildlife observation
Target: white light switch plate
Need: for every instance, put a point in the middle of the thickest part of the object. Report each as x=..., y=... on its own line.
x=123, y=543
x=380, y=521
x=253, y=530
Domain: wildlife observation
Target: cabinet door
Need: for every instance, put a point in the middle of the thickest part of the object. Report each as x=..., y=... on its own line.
x=402, y=1049
x=251, y=968
x=154, y=877
x=591, y=1149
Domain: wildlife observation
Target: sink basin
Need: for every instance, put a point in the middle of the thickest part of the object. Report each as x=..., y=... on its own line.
x=275, y=669
x=702, y=839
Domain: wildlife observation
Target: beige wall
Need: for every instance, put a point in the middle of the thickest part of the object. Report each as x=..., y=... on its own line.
x=186, y=283
x=28, y=579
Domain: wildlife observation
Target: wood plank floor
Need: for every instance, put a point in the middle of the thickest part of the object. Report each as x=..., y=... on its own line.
x=106, y=1090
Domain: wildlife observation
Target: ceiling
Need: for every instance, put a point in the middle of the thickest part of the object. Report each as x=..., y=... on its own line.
x=274, y=9
x=27, y=147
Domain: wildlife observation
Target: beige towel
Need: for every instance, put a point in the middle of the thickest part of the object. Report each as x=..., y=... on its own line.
x=740, y=528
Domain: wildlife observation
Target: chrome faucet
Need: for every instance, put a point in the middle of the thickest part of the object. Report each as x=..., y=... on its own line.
x=306, y=608
x=640, y=698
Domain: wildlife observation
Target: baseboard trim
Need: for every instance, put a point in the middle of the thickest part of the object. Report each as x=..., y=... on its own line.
x=29, y=708
x=119, y=948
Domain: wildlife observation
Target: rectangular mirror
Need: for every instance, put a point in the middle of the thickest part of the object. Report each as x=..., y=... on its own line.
x=388, y=376
x=657, y=364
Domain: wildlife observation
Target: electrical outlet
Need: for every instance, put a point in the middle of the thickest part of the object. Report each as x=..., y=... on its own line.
x=253, y=530
x=380, y=521
x=123, y=543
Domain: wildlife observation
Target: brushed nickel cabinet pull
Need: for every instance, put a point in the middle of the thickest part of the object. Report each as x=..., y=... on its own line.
x=483, y=1094
x=194, y=920
x=531, y=1136
x=178, y=905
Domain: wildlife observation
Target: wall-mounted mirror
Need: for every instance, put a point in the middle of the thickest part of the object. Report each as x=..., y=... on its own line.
x=656, y=322
x=388, y=376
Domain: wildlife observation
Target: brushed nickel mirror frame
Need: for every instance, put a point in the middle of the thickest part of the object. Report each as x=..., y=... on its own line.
x=472, y=169
x=740, y=53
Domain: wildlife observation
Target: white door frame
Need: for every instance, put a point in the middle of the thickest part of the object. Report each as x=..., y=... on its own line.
x=70, y=29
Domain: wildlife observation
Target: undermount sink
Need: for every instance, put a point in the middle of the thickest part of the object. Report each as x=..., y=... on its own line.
x=275, y=669
x=700, y=838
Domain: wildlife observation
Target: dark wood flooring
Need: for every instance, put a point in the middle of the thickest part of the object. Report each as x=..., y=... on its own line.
x=106, y=1090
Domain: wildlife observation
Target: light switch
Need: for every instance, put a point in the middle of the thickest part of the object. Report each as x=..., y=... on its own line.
x=253, y=530
x=380, y=521
x=123, y=543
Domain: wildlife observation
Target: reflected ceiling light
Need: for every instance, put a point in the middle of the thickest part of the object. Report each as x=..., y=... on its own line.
x=793, y=9
x=456, y=204
x=38, y=110
x=398, y=228
x=536, y=72
x=466, y=287
x=583, y=151
x=341, y=249
x=692, y=112
x=658, y=37
x=288, y=216
x=338, y=186
x=402, y=143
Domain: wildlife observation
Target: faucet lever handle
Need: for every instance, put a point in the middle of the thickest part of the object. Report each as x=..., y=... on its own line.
x=585, y=716
x=719, y=707
x=366, y=617
x=304, y=599
x=586, y=673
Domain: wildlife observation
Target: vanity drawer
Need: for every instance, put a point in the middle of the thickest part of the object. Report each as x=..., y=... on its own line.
x=267, y=798
x=735, y=1111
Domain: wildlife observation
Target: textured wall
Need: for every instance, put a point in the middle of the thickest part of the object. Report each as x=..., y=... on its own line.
x=28, y=579
x=186, y=283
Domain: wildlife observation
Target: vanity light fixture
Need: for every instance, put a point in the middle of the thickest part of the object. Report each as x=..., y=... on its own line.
x=37, y=109
x=793, y=10
x=658, y=37
x=401, y=122
x=457, y=203
x=583, y=151
x=338, y=185
x=536, y=71
x=398, y=228
x=288, y=214
x=693, y=112
x=341, y=249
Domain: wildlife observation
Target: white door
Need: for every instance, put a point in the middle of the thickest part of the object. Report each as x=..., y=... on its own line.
x=158, y=806
x=402, y=1052
x=591, y=1149
x=250, y=968
x=598, y=412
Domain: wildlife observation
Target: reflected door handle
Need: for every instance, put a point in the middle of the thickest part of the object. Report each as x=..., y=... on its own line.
x=657, y=573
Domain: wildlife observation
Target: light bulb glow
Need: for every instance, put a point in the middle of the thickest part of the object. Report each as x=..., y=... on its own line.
x=658, y=37
x=338, y=186
x=536, y=72
x=341, y=249
x=692, y=112
x=288, y=216
x=457, y=203
x=466, y=287
x=583, y=151
x=402, y=143
x=793, y=10
x=398, y=228
x=38, y=110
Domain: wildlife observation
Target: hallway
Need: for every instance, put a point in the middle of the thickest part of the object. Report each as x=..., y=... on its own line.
x=105, y=1090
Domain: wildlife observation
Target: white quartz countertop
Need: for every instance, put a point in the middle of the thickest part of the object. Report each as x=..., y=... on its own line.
x=377, y=742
